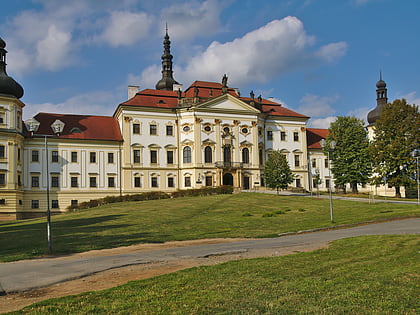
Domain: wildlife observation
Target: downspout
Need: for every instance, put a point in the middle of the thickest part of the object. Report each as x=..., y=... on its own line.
x=120, y=166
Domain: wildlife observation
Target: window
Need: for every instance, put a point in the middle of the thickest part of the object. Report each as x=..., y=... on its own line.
x=35, y=181
x=260, y=156
x=35, y=204
x=74, y=157
x=55, y=181
x=54, y=156
x=92, y=157
x=283, y=135
x=2, y=179
x=186, y=128
x=2, y=152
x=137, y=182
x=19, y=180
x=92, y=181
x=269, y=135
x=244, y=130
x=169, y=130
x=136, y=156
x=226, y=129
x=110, y=157
x=2, y=201
x=35, y=156
x=314, y=163
x=187, y=181
x=73, y=181
x=187, y=155
x=298, y=183
x=296, y=136
x=111, y=181
x=327, y=183
x=54, y=204
x=18, y=154
x=74, y=202
x=297, y=161
x=208, y=155
x=245, y=155
x=153, y=156
x=154, y=181
x=326, y=163
x=207, y=128
x=170, y=157
x=136, y=129
x=209, y=180
x=153, y=130
x=171, y=182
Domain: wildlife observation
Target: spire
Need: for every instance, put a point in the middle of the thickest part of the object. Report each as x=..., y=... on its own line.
x=8, y=86
x=381, y=100
x=167, y=81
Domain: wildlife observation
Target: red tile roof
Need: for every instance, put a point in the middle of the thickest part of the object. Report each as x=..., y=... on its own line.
x=154, y=98
x=313, y=136
x=81, y=127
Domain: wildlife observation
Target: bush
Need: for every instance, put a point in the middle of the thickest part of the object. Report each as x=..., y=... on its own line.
x=268, y=215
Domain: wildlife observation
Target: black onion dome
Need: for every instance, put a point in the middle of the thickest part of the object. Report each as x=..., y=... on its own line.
x=381, y=84
x=374, y=115
x=8, y=86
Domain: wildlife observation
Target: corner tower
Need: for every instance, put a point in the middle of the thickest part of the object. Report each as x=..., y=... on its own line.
x=167, y=82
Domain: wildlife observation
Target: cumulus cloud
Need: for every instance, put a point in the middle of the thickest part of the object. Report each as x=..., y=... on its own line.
x=126, y=28
x=317, y=106
x=333, y=51
x=323, y=123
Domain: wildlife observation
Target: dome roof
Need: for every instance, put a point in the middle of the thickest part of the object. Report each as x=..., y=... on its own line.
x=8, y=86
x=380, y=84
x=373, y=115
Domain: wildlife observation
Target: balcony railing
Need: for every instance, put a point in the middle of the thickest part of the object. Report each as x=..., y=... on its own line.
x=230, y=165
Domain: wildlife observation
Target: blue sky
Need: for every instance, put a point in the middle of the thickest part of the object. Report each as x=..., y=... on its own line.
x=321, y=58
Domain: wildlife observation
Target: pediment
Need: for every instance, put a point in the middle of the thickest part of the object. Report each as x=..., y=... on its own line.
x=227, y=103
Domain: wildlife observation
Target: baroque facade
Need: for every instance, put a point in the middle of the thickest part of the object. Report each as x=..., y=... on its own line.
x=161, y=139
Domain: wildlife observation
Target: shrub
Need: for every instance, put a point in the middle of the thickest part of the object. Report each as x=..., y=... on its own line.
x=279, y=212
x=268, y=215
x=246, y=214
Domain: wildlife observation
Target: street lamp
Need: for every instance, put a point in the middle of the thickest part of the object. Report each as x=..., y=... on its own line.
x=416, y=155
x=57, y=126
x=329, y=148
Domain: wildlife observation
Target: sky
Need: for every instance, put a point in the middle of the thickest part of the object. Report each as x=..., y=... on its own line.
x=321, y=58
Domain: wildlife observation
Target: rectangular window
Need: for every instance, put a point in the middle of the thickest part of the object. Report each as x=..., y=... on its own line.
x=2, y=179
x=154, y=181
x=136, y=129
x=296, y=136
x=136, y=156
x=187, y=181
x=153, y=130
x=169, y=130
x=2, y=152
x=55, y=181
x=74, y=202
x=313, y=163
x=54, y=204
x=283, y=135
x=35, y=204
x=153, y=156
x=35, y=156
x=171, y=182
x=2, y=201
x=298, y=183
x=74, y=157
x=35, y=181
x=73, y=181
x=19, y=180
x=326, y=163
x=170, y=157
x=269, y=135
x=92, y=181
x=111, y=181
x=137, y=182
x=92, y=157
x=54, y=156
x=327, y=184
x=297, y=161
x=110, y=157
x=18, y=157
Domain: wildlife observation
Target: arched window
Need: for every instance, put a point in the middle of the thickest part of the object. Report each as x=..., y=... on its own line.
x=226, y=155
x=245, y=155
x=208, y=155
x=187, y=155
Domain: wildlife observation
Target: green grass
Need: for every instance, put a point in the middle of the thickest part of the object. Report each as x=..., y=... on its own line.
x=249, y=215
x=363, y=275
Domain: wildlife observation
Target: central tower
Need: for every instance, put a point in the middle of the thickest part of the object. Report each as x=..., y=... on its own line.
x=167, y=82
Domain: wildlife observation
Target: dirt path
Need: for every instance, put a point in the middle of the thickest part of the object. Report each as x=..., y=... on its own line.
x=115, y=277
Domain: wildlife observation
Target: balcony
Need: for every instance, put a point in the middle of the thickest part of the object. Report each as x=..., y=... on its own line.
x=229, y=165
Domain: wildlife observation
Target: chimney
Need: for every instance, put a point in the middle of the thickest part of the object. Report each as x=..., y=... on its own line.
x=132, y=90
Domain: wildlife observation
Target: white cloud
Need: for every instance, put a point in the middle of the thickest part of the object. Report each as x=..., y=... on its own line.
x=126, y=28
x=317, y=106
x=323, y=123
x=333, y=51
x=411, y=98
x=191, y=19
x=360, y=113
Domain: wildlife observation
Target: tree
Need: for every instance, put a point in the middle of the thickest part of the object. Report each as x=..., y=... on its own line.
x=351, y=162
x=396, y=136
x=277, y=172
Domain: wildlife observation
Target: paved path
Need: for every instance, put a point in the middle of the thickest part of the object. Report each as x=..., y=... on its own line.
x=30, y=274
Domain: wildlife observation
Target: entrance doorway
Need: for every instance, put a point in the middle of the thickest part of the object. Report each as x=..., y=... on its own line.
x=246, y=182
x=209, y=180
x=228, y=179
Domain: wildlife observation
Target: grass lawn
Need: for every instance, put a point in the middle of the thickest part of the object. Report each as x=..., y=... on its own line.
x=362, y=275
x=250, y=215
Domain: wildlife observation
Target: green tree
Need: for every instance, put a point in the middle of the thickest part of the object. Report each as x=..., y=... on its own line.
x=396, y=136
x=277, y=172
x=350, y=160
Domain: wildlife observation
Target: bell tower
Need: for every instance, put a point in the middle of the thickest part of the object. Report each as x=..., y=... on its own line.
x=167, y=82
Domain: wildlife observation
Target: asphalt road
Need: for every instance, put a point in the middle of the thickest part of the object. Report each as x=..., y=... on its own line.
x=30, y=274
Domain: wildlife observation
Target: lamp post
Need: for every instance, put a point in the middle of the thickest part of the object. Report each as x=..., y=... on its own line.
x=57, y=126
x=416, y=155
x=329, y=148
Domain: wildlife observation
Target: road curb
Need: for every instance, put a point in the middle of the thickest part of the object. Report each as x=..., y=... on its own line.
x=343, y=226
